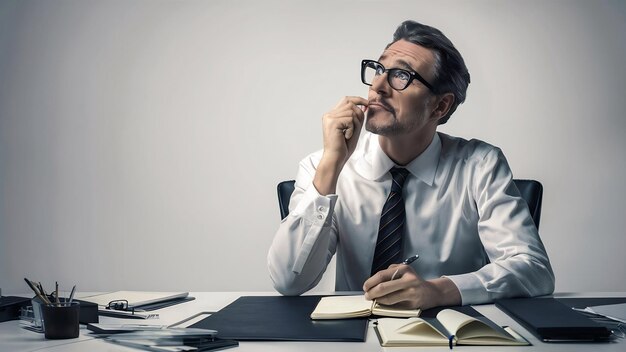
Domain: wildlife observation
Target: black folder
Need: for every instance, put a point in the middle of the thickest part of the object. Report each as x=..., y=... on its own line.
x=553, y=321
x=10, y=307
x=280, y=318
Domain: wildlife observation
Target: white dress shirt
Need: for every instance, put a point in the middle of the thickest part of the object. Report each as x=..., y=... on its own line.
x=464, y=217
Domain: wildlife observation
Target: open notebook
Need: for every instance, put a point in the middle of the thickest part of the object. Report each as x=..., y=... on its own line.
x=450, y=327
x=343, y=307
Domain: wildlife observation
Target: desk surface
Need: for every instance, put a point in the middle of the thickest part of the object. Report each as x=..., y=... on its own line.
x=14, y=338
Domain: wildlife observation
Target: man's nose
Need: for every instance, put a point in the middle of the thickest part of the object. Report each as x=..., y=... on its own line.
x=381, y=85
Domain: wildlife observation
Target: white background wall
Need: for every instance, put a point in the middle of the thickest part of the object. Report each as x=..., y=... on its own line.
x=141, y=141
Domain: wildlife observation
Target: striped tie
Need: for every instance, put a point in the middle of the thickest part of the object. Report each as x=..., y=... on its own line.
x=389, y=244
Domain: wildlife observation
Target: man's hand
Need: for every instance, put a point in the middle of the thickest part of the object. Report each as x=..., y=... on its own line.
x=409, y=290
x=341, y=128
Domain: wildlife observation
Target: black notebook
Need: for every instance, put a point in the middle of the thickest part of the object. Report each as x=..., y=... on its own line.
x=280, y=318
x=553, y=321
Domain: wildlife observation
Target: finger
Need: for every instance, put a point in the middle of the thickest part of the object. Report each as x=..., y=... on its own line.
x=338, y=120
x=358, y=101
x=346, y=110
x=376, y=279
x=344, y=123
x=401, y=276
x=407, y=292
x=348, y=132
x=347, y=120
x=353, y=100
x=358, y=113
x=350, y=110
x=358, y=118
x=399, y=298
x=384, y=289
x=340, y=114
x=355, y=129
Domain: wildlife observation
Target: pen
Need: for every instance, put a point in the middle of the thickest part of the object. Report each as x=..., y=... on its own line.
x=407, y=261
x=410, y=260
x=56, y=294
x=36, y=290
x=44, y=294
x=72, y=294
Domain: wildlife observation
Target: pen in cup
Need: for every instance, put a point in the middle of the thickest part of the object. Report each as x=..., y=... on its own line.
x=43, y=292
x=39, y=295
x=56, y=294
x=54, y=298
x=72, y=294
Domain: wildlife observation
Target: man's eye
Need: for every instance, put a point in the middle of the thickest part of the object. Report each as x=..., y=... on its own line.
x=402, y=75
x=380, y=70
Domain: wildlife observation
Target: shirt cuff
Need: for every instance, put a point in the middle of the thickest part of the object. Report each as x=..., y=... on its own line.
x=471, y=288
x=315, y=208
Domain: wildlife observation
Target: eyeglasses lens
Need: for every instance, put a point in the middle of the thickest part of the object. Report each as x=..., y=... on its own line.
x=398, y=79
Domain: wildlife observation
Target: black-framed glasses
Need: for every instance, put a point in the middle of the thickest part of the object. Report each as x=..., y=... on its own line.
x=120, y=304
x=398, y=78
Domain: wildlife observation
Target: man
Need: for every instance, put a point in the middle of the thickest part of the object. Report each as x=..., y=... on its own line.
x=406, y=189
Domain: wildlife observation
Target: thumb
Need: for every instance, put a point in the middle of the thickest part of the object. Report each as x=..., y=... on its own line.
x=348, y=132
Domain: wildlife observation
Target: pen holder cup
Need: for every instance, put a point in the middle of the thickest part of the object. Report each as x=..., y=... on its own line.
x=60, y=321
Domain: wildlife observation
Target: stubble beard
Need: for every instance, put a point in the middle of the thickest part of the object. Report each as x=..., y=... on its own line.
x=390, y=127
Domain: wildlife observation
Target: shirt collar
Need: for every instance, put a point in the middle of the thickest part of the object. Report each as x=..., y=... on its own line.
x=373, y=163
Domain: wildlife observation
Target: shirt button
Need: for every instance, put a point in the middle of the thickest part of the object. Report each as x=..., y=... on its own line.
x=320, y=216
x=321, y=208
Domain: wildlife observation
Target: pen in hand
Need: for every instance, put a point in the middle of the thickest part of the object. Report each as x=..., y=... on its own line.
x=407, y=261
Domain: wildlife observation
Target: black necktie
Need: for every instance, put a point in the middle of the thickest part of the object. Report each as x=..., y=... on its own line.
x=389, y=244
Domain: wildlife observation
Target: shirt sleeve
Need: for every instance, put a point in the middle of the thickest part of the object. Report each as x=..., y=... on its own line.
x=519, y=265
x=306, y=239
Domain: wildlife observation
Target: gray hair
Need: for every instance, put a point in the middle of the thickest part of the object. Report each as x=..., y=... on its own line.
x=451, y=75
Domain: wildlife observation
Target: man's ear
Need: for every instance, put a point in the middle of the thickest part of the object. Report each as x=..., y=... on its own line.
x=444, y=103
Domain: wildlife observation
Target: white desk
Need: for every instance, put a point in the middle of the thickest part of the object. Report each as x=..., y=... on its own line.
x=15, y=339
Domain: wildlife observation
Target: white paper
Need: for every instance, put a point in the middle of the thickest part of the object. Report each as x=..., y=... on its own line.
x=612, y=311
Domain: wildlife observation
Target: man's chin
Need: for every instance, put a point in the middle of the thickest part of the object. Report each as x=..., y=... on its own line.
x=380, y=129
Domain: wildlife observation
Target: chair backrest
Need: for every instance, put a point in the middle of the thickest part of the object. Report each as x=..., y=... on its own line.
x=285, y=188
x=530, y=190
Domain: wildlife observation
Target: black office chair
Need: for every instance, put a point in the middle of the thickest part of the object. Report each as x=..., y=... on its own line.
x=530, y=190
x=285, y=189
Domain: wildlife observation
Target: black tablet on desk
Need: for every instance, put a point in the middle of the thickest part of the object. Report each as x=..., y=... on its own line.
x=553, y=321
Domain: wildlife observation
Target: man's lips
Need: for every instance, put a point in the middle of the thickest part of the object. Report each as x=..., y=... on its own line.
x=379, y=104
